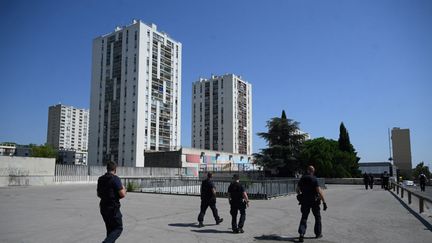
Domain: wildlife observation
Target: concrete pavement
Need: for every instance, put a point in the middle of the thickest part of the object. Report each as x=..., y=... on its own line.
x=69, y=213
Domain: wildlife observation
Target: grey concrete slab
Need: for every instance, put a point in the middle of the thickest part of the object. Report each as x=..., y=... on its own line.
x=69, y=213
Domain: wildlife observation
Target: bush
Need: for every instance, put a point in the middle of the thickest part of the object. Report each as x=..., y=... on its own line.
x=132, y=186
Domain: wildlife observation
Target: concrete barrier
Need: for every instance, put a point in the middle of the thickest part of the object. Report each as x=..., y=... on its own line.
x=26, y=171
x=344, y=181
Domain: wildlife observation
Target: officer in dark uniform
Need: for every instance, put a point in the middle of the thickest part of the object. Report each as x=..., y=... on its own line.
x=208, y=199
x=238, y=199
x=386, y=180
x=422, y=179
x=110, y=190
x=311, y=196
x=371, y=180
x=366, y=180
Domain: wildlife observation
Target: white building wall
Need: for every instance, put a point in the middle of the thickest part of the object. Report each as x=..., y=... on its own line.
x=228, y=135
x=134, y=135
x=68, y=127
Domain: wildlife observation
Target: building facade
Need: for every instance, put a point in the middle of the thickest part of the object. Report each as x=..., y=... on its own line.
x=222, y=114
x=196, y=160
x=72, y=157
x=401, y=145
x=7, y=149
x=377, y=168
x=135, y=95
x=68, y=127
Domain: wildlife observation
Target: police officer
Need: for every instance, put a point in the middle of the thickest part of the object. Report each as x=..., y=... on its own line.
x=422, y=179
x=366, y=180
x=386, y=180
x=208, y=199
x=110, y=190
x=238, y=199
x=311, y=198
x=371, y=180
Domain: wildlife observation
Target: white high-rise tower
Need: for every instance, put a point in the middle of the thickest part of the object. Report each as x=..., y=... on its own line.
x=222, y=114
x=135, y=95
x=68, y=127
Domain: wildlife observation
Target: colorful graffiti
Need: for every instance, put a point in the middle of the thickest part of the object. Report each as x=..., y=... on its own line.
x=193, y=158
x=221, y=159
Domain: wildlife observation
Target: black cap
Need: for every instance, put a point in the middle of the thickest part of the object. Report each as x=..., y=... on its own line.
x=236, y=177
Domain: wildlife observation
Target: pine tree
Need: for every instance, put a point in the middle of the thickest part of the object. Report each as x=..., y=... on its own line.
x=283, y=142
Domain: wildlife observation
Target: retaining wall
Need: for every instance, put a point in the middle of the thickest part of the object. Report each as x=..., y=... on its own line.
x=26, y=171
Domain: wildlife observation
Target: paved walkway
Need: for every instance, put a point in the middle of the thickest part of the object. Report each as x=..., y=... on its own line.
x=69, y=213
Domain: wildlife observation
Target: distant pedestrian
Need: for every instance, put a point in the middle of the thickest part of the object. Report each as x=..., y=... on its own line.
x=208, y=199
x=110, y=190
x=386, y=179
x=238, y=200
x=423, y=180
x=366, y=180
x=371, y=181
x=311, y=197
x=382, y=180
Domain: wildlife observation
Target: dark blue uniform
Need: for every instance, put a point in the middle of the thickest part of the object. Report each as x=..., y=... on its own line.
x=208, y=199
x=422, y=182
x=237, y=203
x=308, y=185
x=108, y=188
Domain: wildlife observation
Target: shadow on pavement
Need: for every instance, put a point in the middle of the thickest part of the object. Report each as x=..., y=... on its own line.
x=414, y=213
x=193, y=225
x=278, y=238
x=212, y=231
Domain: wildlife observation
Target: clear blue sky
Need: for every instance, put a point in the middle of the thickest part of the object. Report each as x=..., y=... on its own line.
x=366, y=63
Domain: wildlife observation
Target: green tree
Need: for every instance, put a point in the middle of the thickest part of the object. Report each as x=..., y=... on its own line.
x=421, y=168
x=344, y=140
x=345, y=146
x=43, y=151
x=284, y=141
x=329, y=161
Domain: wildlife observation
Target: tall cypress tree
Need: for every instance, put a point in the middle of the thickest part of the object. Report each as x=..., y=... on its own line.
x=348, y=151
x=344, y=140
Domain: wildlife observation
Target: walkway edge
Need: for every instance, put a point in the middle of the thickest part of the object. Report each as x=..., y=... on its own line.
x=421, y=217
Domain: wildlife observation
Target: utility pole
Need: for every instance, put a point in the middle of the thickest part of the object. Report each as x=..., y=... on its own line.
x=390, y=148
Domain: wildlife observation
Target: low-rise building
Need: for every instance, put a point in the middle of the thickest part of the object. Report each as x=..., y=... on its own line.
x=7, y=149
x=195, y=160
x=378, y=168
x=72, y=157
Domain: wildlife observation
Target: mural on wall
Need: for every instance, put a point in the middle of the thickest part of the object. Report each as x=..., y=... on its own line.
x=193, y=158
x=191, y=171
x=221, y=159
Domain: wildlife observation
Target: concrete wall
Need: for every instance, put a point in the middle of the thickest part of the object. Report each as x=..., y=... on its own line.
x=26, y=171
x=344, y=181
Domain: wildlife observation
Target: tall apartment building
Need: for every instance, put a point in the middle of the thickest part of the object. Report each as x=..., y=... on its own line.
x=222, y=114
x=135, y=95
x=68, y=127
x=401, y=145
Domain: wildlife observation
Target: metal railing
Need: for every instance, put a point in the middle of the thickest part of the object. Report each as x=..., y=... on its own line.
x=231, y=167
x=421, y=199
x=256, y=189
x=81, y=173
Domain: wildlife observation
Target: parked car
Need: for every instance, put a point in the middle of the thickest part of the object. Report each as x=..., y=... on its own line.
x=408, y=183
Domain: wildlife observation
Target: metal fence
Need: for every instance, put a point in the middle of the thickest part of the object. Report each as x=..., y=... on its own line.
x=422, y=200
x=256, y=189
x=82, y=173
